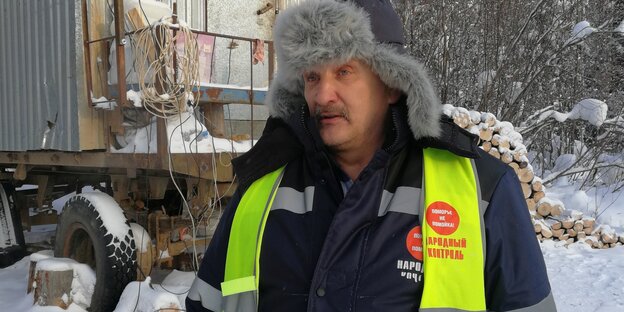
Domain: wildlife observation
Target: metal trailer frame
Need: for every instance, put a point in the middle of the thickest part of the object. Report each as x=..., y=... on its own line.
x=133, y=179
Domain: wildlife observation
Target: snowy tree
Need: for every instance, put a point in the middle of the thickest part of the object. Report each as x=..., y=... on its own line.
x=519, y=59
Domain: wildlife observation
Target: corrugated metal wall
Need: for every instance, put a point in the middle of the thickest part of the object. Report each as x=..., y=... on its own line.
x=38, y=74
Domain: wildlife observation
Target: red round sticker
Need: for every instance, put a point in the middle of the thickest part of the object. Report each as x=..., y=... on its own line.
x=442, y=218
x=414, y=243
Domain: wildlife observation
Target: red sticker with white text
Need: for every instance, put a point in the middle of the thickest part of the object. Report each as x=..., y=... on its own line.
x=442, y=218
x=414, y=243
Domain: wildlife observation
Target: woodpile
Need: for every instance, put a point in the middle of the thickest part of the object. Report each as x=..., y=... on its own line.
x=550, y=219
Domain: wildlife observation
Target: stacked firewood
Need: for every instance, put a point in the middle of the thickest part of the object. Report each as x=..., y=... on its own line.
x=550, y=219
x=500, y=140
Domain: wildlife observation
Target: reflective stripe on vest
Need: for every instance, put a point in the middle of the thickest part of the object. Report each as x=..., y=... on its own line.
x=453, y=254
x=242, y=264
x=452, y=236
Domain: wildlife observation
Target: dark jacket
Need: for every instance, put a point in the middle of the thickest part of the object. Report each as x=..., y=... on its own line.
x=347, y=252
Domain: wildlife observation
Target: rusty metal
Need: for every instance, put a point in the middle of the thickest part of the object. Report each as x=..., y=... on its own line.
x=265, y=9
x=196, y=165
x=87, y=51
x=121, y=53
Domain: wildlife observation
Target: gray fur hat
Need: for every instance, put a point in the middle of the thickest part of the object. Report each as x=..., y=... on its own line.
x=323, y=31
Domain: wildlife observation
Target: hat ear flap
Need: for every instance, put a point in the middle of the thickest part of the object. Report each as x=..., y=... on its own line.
x=402, y=72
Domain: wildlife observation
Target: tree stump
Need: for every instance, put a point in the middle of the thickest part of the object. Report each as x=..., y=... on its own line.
x=53, y=288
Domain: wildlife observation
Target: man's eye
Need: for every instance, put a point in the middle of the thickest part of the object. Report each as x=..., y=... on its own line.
x=311, y=78
x=344, y=72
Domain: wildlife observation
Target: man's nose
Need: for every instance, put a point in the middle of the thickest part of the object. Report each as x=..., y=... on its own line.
x=326, y=92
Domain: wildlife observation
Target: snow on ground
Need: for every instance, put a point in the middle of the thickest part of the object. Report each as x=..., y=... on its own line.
x=585, y=279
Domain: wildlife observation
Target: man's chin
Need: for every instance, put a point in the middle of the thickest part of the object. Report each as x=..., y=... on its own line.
x=331, y=141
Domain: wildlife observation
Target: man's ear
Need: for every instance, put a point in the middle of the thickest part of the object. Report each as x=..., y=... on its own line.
x=394, y=95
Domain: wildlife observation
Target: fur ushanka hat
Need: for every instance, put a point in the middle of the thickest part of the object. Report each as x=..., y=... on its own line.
x=323, y=31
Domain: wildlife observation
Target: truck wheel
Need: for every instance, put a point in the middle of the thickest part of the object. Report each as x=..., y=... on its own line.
x=12, y=247
x=93, y=230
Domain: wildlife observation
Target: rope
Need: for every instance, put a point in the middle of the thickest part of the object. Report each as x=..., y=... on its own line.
x=154, y=59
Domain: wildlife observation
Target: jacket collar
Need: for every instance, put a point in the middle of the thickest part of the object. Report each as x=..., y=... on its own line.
x=286, y=140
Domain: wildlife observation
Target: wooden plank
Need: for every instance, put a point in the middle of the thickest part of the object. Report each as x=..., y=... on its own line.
x=92, y=122
x=214, y=119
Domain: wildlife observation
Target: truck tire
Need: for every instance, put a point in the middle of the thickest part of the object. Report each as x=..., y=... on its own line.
x=88, y=234
x=12, y=246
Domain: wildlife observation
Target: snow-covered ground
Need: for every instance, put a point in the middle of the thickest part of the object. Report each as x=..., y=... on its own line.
x=583, y=279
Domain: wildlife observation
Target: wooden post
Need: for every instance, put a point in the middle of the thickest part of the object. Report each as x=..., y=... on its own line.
x=215, y=119
x=120, y=33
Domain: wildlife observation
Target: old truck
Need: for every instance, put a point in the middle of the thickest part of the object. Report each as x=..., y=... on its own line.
x=120, y=108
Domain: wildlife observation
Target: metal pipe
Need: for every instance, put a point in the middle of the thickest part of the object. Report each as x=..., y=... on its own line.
x=121, y=53
x=251, y=90
x=206, y=15
x=199, y=32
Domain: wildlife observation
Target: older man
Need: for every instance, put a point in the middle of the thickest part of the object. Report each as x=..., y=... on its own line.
x=359, y=196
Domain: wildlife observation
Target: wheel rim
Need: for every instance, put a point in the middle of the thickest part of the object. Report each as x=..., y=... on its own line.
x=78, y=245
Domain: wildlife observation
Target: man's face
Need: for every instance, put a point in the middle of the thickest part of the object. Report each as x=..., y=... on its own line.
x=349, y=102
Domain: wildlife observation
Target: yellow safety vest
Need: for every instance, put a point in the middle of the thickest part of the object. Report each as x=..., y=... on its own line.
x=453, y=239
